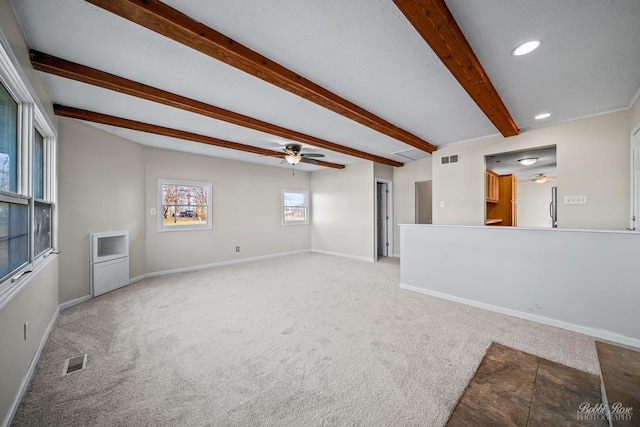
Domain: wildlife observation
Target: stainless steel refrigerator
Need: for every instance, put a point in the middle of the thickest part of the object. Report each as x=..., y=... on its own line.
x=553, y=207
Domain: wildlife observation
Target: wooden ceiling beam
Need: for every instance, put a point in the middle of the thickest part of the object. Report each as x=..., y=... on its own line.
x=169, y=22
x=105, y=119
x=70, y=70
x=434, y=22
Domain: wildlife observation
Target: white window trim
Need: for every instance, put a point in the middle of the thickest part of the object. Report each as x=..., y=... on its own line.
x=207, y=226
x=31, y=115
x=306, y=198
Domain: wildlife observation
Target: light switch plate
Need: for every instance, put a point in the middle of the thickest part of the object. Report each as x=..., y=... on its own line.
x=575, y=200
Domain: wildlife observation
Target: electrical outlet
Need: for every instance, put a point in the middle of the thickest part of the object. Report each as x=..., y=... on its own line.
x=237, y=248
x=153, y=211
x=575, y=200
x=442, y=204
x=26, y=330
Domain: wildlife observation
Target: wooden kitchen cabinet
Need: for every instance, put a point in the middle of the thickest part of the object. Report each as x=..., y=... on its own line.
x=492, y=186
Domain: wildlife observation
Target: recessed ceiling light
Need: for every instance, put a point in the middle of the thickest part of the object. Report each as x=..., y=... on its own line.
x=527, y=47
x=542, y=116
x=528, y=162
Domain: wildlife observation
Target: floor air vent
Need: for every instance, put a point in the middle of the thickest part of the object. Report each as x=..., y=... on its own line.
x=74, y=364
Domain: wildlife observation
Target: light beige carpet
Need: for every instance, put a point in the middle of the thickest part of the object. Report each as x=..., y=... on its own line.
x=306, y=340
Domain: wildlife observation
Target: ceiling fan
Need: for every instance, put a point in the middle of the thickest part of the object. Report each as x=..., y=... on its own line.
x=542, y=178
x=293, y=155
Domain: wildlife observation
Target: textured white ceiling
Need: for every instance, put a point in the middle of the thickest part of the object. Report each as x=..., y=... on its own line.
x=363, y=50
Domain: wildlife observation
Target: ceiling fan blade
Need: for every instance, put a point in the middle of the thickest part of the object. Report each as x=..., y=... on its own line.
x=312, y=155
x=308, y=160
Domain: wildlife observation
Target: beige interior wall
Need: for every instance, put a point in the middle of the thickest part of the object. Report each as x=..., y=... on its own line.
x=36, y=303
x=404, y=195
x=343, y=211
x=593, y=160
x=247, y=211
x=101, y=188
x=383, y=171
x=37, y=300
x=533, y=204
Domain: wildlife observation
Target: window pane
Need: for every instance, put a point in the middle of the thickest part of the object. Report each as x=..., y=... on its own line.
x=42, y=227
x=8, y=141
x=295, y=214
x=14, y=237
x=185, y=205
x=294, y=205
x=38, y=166
x=294, y=199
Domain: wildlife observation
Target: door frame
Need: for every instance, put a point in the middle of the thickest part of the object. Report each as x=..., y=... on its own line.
x=634, y=204
x=390, y=224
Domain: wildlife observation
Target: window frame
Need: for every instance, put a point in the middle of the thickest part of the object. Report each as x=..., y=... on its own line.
x=160, y=205
x=31, y=117
x=284, y=207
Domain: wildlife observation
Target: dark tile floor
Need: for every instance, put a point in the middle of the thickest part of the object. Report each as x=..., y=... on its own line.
x=513, y=388
x=621, y=375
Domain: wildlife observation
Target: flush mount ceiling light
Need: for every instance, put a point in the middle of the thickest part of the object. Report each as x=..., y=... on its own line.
x=528, y=162
x=542, y=116
x=527, y=47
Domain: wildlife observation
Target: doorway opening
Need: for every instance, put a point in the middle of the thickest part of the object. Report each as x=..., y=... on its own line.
x=424, y=209
x=384, y=221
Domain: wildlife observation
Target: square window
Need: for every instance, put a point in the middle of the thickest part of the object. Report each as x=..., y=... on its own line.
x=184, y=205
x=295, y=207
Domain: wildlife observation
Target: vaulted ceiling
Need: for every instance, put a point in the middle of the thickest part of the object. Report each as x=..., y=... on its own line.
x=382, y=80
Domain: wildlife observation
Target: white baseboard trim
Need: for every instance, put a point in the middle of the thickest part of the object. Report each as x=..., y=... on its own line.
x=359, y=258
x=32, y=366
x=597, y=333
x=73, y=302
x=137, y=279
x=216, y=264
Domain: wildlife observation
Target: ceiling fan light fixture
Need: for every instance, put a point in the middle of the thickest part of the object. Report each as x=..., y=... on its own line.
x=526, y=48
x=541, y=179
x=293, y=159
x=542, y=116
x=528, y=162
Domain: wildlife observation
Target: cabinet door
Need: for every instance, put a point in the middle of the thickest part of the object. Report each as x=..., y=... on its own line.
x=492, y=186
x=109, y=275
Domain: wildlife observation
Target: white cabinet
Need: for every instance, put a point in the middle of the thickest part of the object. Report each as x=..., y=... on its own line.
x=109, y=261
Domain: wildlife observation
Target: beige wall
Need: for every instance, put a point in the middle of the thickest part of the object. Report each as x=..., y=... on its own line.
x=593, y=160
x=36, y=303
x=383, y=171
x=101, y=188
x=343, y=211
x=247, y=211
x=533, y=204
x=37, y=300
x=404, y=195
